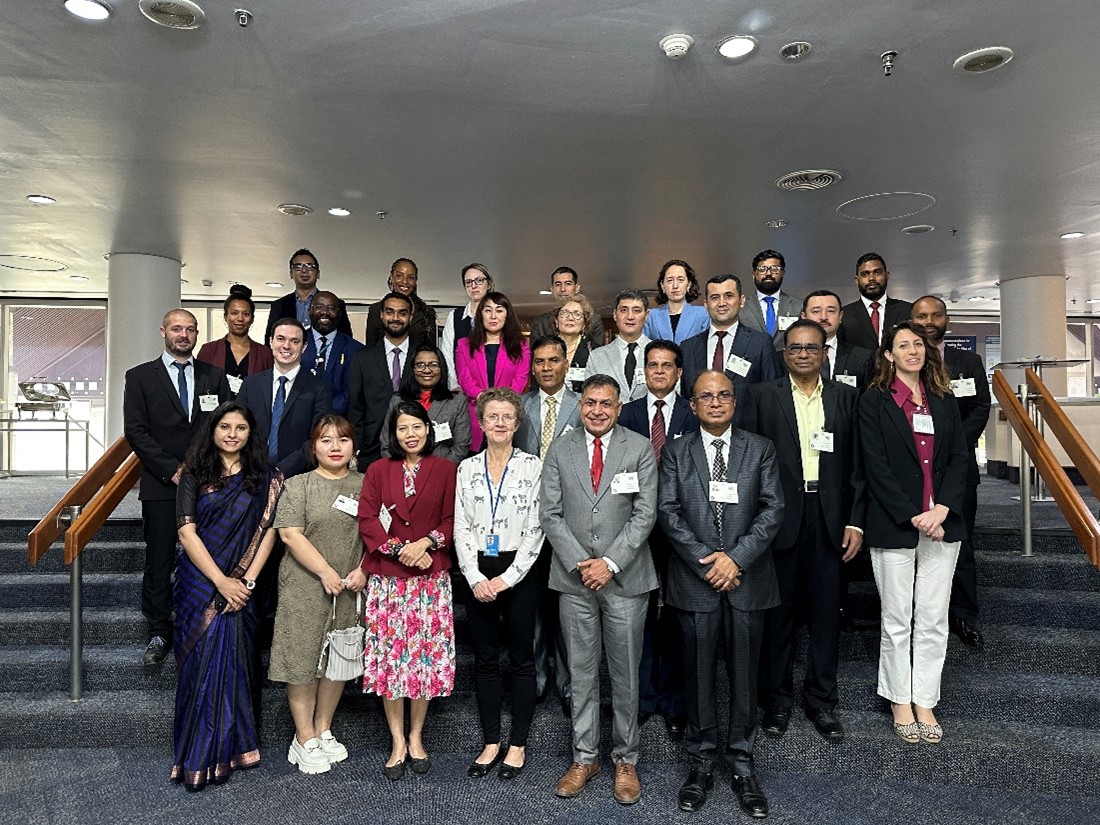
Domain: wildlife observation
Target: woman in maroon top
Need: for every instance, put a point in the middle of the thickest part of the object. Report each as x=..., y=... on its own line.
x=914, y=457
x=237, y=354
x=406, y=518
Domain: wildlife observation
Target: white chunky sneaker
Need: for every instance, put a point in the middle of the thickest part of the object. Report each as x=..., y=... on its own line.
x=332, y=747
x=308, y=757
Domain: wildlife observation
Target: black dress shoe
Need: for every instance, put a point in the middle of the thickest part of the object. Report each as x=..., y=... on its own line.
x=826, y=723
x=693, y=793
x=507, y=771
x=776, y=721
x=675, y=725
x=156, y=652
x=752, y=799
x=395, y=772
x=968, y=632
x=420, y=766
x=479, y=769
x=566, y=707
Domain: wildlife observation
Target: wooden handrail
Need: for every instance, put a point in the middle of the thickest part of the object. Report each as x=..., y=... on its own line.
x=87, y=488
x=1073, y=507
x=101, y=506
x=1056, y=420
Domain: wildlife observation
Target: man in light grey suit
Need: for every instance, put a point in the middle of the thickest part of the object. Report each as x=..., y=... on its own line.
x=721, y=506
x=598, y=506
x=770, y=310
x=624, y=358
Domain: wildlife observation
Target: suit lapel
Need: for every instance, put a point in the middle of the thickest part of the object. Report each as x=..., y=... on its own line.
x=566, y=409
x=397, y=490
x=902, y=423
x=578, y=447
x=169, y=385
x=786, y=404
x=617, y=443
x=699, y=458
x=863, y=318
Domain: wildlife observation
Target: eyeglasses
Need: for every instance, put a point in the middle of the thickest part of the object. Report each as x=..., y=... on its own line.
x=304, y=267
x=495, y=418
x=798, y=349
x=571, y=315
x=725, y=397
x=769, y=270
x=426, y=366
x=479, y=281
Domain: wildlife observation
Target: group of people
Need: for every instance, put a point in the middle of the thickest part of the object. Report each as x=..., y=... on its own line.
x=691, y=490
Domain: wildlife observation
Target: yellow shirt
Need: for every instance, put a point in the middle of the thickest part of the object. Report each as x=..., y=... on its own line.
x=810, y=414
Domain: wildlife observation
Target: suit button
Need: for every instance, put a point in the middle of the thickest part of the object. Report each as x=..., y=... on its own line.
x=595, y=538
x=407, y=524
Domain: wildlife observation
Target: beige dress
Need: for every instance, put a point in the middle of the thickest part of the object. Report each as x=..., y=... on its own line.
x=304, y=606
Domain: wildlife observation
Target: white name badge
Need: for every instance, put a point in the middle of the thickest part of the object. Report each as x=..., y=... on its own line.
x=346, y=504
x=234, y=383
x=786, y=320
x=575, y=374
x=385, y=518
x=738, y=365
x=923, y=424
x=639, y=377
x=963, y=388
x=845, y=378
x=723, y=492
x=625, y=483
x=821, y=441
x=442, y=430
x=208, y=403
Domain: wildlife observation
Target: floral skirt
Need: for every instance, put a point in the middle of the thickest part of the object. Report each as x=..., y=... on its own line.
x=410, y=639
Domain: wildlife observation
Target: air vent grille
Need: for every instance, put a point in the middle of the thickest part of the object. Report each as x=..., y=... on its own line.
x=173, y=14
x=295, y=209
x=808, y=179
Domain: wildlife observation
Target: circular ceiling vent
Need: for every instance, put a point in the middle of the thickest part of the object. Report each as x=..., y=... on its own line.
x=173, y=14
x=885, y=206
x=808, y=179
x=294, y=209
x=983, y=60
x=918, y=229
x=31, y=263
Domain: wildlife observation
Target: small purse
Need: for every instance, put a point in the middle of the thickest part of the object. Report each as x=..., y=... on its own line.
x=344, y=647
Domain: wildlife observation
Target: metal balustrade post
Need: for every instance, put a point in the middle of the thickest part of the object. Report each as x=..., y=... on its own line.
x=65, y=520
x=1025, y=485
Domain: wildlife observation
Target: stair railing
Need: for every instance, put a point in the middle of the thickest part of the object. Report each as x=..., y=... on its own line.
x=1035, y=451
x=80, y=514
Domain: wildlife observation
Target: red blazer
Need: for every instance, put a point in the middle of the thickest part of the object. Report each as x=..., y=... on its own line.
x=432, y=508
x=259, y=356
x=473, y=379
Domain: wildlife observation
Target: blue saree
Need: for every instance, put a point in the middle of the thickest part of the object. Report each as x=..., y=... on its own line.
x=215, y=729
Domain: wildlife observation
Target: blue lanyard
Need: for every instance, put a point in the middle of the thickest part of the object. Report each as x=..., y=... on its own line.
x=494, y=500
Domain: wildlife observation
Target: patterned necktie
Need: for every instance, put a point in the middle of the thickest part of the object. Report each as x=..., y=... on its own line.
x=631, y=364
x=769, y=319
x=181, y=382
x=719, y=474
x=719, y=360
x=875, y=323
x=657, y=429
x=549, y=425
x=395, y=371
x=597, y=464
x=826, y=369
x=321, y=356
x=276, y=420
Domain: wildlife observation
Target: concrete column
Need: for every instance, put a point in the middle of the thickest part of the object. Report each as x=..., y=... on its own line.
x=140, y=289
x=1033, y=322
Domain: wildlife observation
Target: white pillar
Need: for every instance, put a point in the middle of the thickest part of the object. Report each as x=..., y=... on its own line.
x=1033, y=323
x=140, y=289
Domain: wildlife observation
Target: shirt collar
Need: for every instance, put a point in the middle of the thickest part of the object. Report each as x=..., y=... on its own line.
x=543, y=395
x=605, y=439
x=708, y=439
x=308, y=299
x=651, y=400
x=731, y=332
x=867, y=302
x=815, y=394
x=169, y=360
x=290, y=375
x=403, y=346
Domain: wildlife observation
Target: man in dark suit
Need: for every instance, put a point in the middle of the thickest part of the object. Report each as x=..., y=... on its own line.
x=814, y=426
x=304, y=272
x=843, y=362
x=769, y=309
x=286, y=400
x=866, y=319
x=720, y=503
x=970, y=387
x=164, y=404
x=661, y=416
x=564, y=284
x=376, y=373
x=746, y=355
x=328, y=352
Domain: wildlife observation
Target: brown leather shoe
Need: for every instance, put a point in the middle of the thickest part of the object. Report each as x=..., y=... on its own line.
x=628, y=789
x=574, y=779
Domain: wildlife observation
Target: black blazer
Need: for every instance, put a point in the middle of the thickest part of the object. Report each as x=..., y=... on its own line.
x=423, y=328
x=855, y=326
x=635, y=416
x=308, y=400
x=755, y=347
x=974, y=409
x=853, y=360
x=369, y=391
x=894, y=479
x=285, y=307
x=155, y=425
x=769, y=411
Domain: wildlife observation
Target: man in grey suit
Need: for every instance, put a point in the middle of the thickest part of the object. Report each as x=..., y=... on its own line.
x=770, y=310
x=624, y=358
x=721, y=505
x=598, y=503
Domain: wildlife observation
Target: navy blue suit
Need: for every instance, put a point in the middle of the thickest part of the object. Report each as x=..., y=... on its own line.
x=754, y=346
x=309, y=398
x=337, y=366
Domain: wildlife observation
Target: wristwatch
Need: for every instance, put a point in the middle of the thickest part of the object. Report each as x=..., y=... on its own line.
x=249, y=583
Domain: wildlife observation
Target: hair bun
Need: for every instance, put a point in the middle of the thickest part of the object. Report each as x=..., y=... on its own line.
x=240, y=291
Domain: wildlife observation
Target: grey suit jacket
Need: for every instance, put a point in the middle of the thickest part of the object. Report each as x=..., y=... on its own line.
x=687, y=517
x=581, y=525
x=751, y=316
x=530, y=431
x=608, y=360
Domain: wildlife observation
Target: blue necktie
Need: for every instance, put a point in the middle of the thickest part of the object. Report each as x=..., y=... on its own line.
x=769, y=320
x=181, y=382
x=276, y=420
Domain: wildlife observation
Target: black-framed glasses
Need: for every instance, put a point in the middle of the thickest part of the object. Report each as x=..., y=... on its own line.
x=769, y=270
x=798, y=349
x=304, y=267
x=724, y=396
x=481, y=280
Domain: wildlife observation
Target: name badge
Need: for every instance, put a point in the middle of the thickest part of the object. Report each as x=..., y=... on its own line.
x=208, y=403
x=639, y=377
x=923, y=424
x=963, y=388
x=575, y=374
x=625, y=483
x=234, y=383
x=346, y=504
x=442, y=430
x=385, y=518
x=492, y=545
x=821, y=441
x=723, y=492
x=786, y=320
x=845, y=378
x=738, y=365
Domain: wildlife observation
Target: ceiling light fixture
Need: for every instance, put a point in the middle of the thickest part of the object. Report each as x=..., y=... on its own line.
x=545, y=292
x=736, y=47
x=795, y=51
x=88, y=9
x=1093, y=301
x=78, y=277
x=42, y=200
x=294, y=209
x=1069, y=236
x=918, y=229
x=273, y=284
x=339, y=212
x=778, y=223
x=983, y=60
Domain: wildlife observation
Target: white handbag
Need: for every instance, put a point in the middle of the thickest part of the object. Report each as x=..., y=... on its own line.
x=344, y=647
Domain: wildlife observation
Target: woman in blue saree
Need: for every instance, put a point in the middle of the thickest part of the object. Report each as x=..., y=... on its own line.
x=224, y=508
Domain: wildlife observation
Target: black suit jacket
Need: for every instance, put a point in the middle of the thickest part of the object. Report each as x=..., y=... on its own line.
x=769, y=411
x=853, y=360
x=309, y=398
x=855, y=326
x=155, y=425
x=755, y=347
x=285, y=307
x=369, y=391
x=635, y=417
x=973, y=409
x=894, y=479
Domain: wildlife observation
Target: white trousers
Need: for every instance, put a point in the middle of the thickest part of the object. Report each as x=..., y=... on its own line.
x=915, y=588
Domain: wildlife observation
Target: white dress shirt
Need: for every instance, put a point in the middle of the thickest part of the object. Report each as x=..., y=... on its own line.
x=402, y=349
x=727, y=342
x=290, y=376
x=188, y=377
x=666, y=411
x=881, y=313
x=830, y=354
x=709, y=447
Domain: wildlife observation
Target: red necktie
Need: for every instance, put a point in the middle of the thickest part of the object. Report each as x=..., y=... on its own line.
x=719, y=360
x=874, y=320
x=597, y=464
x=657, y=429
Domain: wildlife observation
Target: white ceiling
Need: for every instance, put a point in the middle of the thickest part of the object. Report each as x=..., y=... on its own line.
x=527, y=135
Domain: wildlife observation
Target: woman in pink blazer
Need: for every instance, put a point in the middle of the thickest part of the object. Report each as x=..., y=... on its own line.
x=494, y=355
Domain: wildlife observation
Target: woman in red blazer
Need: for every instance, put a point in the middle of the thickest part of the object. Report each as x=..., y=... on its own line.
x=406, y=518
x=237, y=354
x=494, y=355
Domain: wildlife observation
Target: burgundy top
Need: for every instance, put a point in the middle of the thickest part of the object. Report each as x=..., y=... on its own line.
x=259, y=357
x=924, y=442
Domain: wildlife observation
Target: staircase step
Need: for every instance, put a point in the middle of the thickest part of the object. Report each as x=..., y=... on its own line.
x=1054, y=571
x=1007, y=540
x=98, y=557
x=51, y=627
x=50, y=591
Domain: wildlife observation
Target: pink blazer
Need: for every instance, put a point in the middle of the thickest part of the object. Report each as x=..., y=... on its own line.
x=473, y=379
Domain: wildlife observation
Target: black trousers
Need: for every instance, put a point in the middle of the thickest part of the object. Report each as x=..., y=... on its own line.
x=964, y=586
x=159, y=525
x=516, y=607
x=809, y=576
x=738, y=633
x=661, y=672
x=549, y=641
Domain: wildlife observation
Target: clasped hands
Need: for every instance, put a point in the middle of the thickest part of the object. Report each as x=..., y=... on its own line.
x=488, y=589
x=235, y=593
x=595, y=574
x=724, y=575
x=415, y=554
x=930, y=522
x=354, y=581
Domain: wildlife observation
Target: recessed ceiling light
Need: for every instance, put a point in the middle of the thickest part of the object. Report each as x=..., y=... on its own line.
x=339, y=212
x=976, y=298
x=796, y=50
x=918, y=229
x=273, y=284
x=983, y=60
x=778, y=223
x=78, y=277
x=294, y=209
x=737, y=46
x=41, y=200
x=1069, y=236
x=545, y=292
x=1093, y=301
x=88, y=9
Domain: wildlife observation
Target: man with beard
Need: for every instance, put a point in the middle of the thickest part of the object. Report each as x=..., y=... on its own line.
x=970, y=387
x=376, y=373
x=843, y=362
x=305, y=271
x=866, y=319
x=328, y=352
x=404, y=276
x=164, y=404
x=770, y=309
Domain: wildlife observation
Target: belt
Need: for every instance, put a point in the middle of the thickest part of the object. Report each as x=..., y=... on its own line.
x=809, y=486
